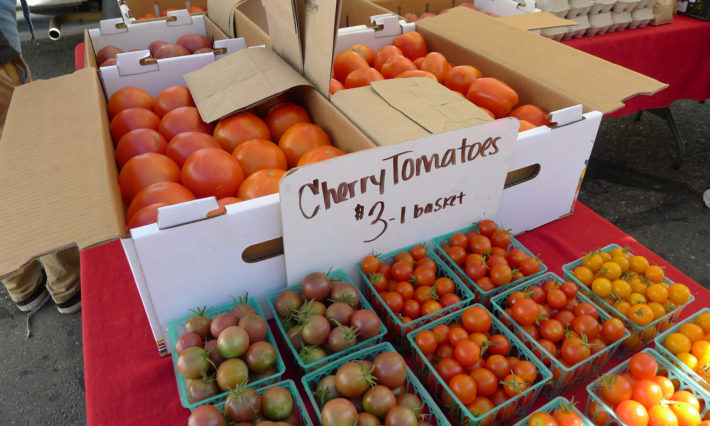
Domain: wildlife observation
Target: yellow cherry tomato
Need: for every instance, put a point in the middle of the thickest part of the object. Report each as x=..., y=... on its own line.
x=688, y=359
x=654, y=273
x=703, y=320
x=637, y=299
x=637, y=284
x=657, y=293
x=611, y=270
x=677, y=343
x=638, y=264
x=700, y=349
x=619, y=251
x=621, y=288
x=584, y=275
x=593, y=261
x=679, y=293
x=641, y=314
x=601, y=286
x=623, y=307
x=658, y=309
x=692, y=330
x=623, y=262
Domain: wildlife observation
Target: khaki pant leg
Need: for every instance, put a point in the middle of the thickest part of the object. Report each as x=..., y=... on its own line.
x=12, y=74
x=23, y=285
x=63, y=273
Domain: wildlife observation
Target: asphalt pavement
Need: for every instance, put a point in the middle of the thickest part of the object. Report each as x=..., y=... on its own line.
x=630, y=181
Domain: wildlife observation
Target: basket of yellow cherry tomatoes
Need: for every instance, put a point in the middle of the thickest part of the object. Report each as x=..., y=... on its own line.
x=631, y=289
x=687, y=345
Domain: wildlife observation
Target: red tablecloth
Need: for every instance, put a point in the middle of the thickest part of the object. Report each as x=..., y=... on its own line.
x=127, y=382
x=675, y=53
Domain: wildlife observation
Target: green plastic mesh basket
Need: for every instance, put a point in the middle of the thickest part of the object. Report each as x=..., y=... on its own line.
x=564, y=378
x=177, y=327
x=454, y=408
x=397, y=329
x=640, y=335
x=604, y=415
x=305, y=368
x=482, y=296
x=550, y=408
x=431, y=411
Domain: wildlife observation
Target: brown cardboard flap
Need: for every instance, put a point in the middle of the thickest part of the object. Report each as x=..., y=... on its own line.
x=58, y=177
x=250, y=31
x=595, y=83
x=320, y=26
x=536, y=21
x=240, y=80
x=284, y=32
x=222, y=13
x=396, y=110
x=431, y=105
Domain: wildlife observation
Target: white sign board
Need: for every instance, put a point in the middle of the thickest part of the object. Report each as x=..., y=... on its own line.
x=338, y=211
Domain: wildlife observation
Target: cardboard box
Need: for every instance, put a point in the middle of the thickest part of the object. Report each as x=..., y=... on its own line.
x=141, y=8
x=575, y=87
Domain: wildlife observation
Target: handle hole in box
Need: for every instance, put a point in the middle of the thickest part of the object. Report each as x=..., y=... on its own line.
x=263, y=251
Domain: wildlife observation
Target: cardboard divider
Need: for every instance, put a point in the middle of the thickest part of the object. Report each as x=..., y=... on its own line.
x=140, y=8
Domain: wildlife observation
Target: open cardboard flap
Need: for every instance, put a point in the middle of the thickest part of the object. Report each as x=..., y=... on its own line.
x=320, y=27
x=240, y=80
x=57, y=171
x=536, y=21
x=397, y=110
x=597, y=84
x=284, y=32
x=140, y=8
x=222, y=13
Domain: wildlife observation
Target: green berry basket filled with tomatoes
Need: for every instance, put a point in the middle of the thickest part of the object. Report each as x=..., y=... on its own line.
x=629, y=288
x=560, y=410
x=279, y=402
x=324, y=317
x=487, y=259
x=411, y=287
x=646, y=389
x=226, y=346
x=562, y=327
x=371, y=385
x=476, y=368
x=687, y=346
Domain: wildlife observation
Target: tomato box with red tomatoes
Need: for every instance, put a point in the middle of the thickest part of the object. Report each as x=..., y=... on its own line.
x=549, y=161
x=182, y=261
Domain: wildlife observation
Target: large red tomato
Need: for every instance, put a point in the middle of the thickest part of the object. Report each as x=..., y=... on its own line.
x=212, y=171
x=235, y=129
x=492, y=94
x=131, y=119
x=411, y=44
x=161, y=192
x=139, y=141
x=319, y=153
x=283, y=116
x=183, y=144
x=143, y=170
x=346, y=62
x=531, y=113
x=257, y=154
x=171, y=98
x=299, y=138
x=145, y=216
x=260, y=183
x=129, y=97
x=183, y=119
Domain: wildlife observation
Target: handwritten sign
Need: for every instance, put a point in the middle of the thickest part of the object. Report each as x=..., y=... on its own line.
x=338, y=211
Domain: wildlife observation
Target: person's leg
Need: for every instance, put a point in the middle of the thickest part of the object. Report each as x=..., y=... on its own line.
x=27, y=288
x=63, y=279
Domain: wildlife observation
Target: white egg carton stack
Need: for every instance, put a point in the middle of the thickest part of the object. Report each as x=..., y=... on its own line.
x=621, y=20
x=596, y=17
x=577, y=31
x=641, y=17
